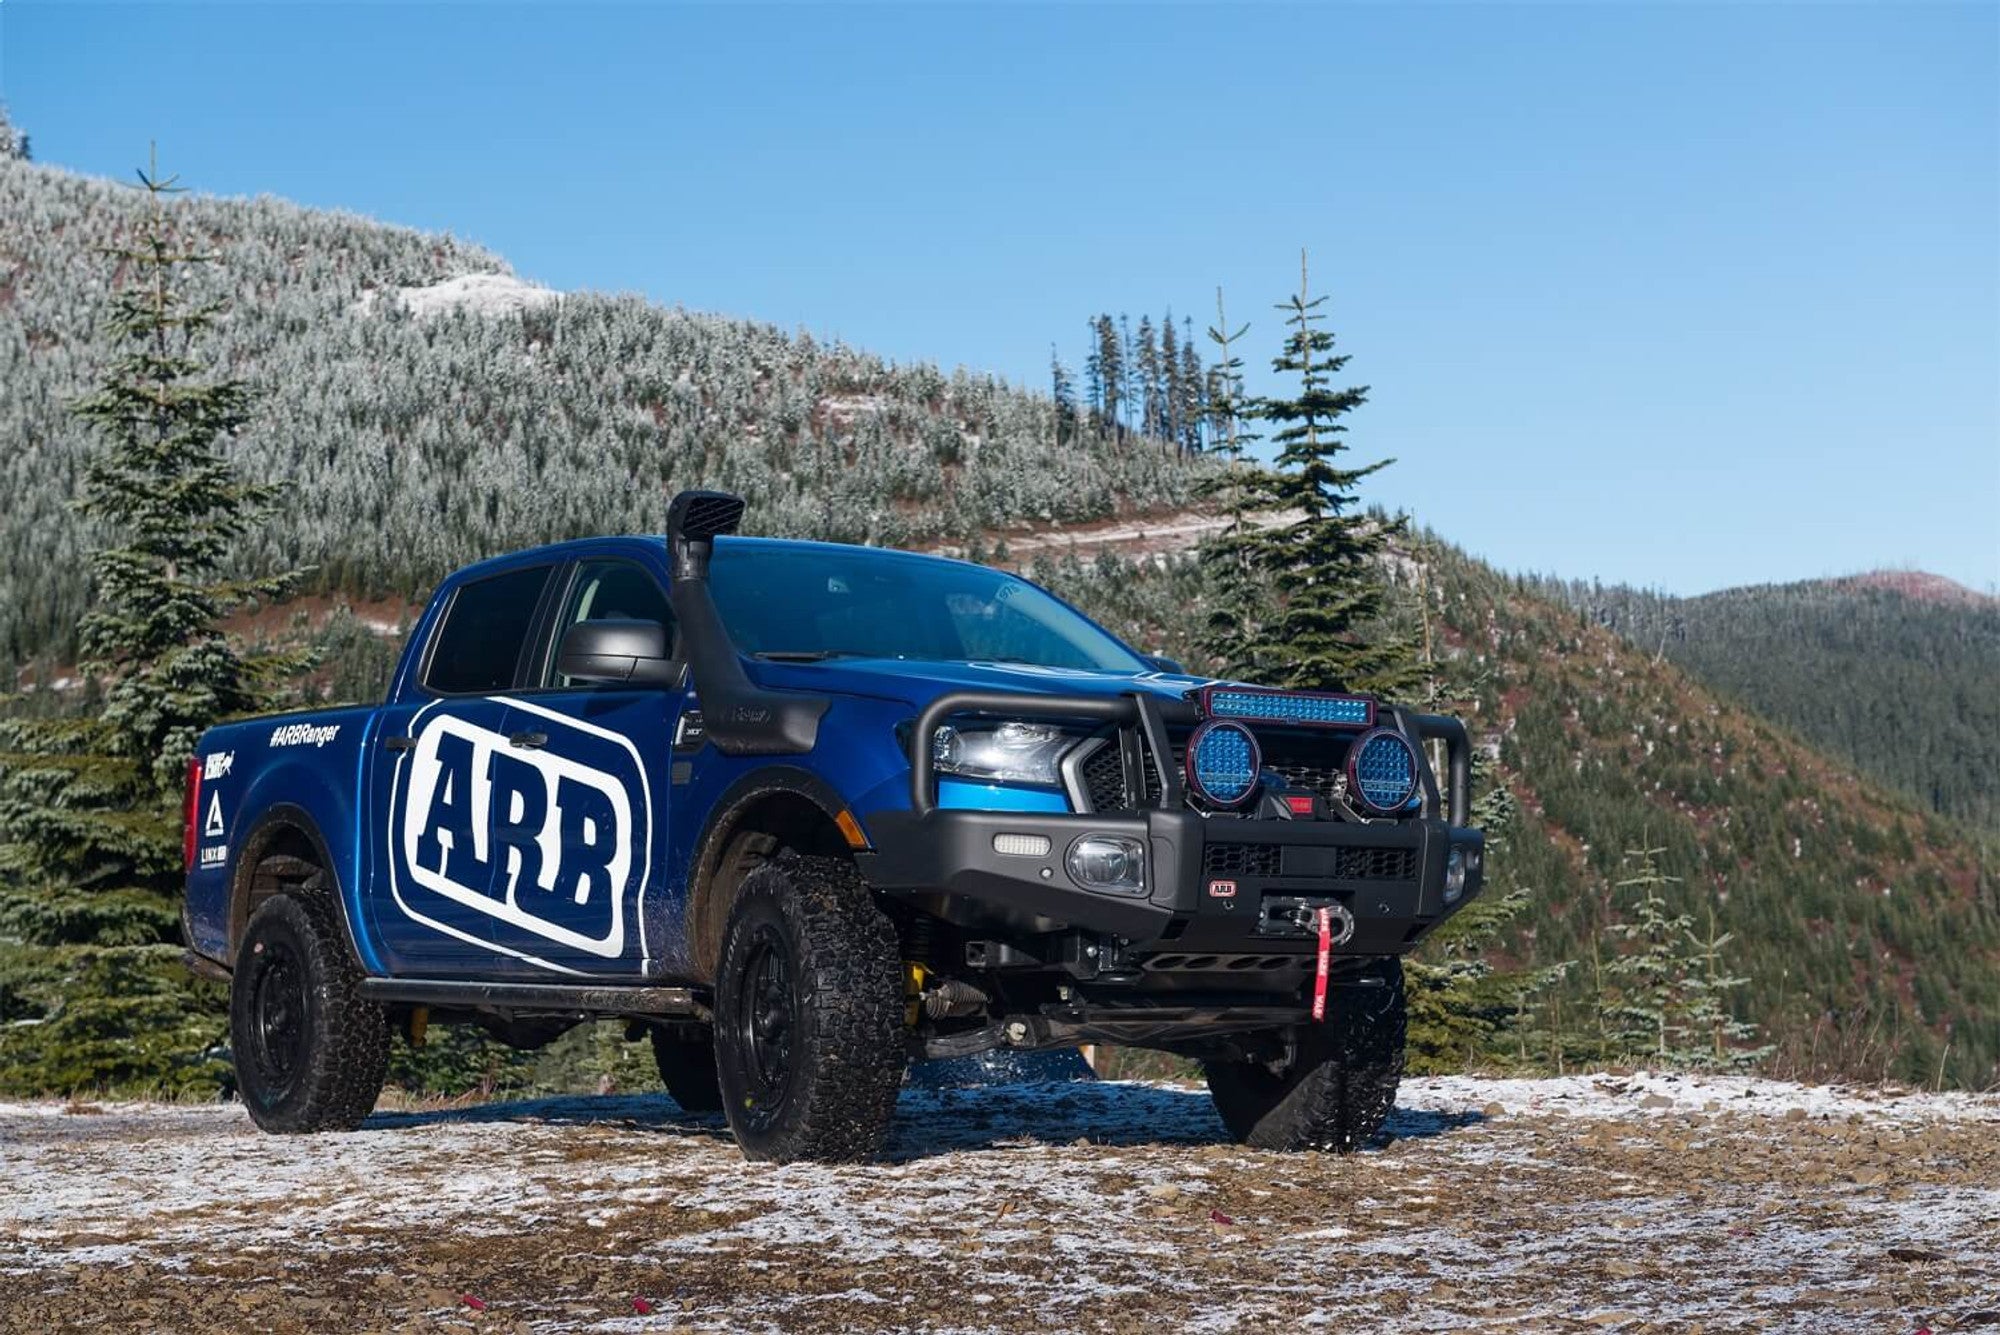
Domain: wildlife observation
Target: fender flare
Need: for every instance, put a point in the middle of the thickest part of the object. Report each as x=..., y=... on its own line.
x=719, y=830
x=276, y=819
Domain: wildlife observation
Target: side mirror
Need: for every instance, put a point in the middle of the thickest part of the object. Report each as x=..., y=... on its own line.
x=1161, y=663
x=623, y=653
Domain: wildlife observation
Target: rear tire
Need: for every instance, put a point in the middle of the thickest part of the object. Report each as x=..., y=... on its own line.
x=1340, y=1084
x=808, y=1014
x=311, y=1052
x=687, y=1069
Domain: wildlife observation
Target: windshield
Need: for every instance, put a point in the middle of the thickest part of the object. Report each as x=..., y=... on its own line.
x=812, y=602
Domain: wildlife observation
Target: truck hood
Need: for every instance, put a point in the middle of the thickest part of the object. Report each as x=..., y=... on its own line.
x=917, y=682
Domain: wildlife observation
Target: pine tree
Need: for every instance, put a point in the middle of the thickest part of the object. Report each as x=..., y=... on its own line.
x=1128, y=362
x=13, y=141
x=1062, y=389
x=1715, y=1039
x=1169, y=378
x=1226, y=398
x=1110, y=362
x=1093, y=375
x=1193, y=408
x=1241, y=606
x=1324, y=565
x=1147, y=368
x=1644, y=1001
x=1461, y=1002
x=90, y=802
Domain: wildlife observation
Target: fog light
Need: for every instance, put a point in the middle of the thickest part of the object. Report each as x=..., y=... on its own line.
x=1454, y=874
x=1108, y=862
x=1022, y=845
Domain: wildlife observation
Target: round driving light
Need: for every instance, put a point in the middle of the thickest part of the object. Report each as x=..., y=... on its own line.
x=1108, y=862
x=1222, y=763
x=1382, y=771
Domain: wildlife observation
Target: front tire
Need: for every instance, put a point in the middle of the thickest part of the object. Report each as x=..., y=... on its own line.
x=1339, y=1084
x=808, y=1014
x=311, y=1052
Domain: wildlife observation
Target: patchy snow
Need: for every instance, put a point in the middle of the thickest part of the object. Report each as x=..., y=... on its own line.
x=487, y=294
x=1651, y=1093
x=842, y=409
x=1154, y=535
x=1581, y=1202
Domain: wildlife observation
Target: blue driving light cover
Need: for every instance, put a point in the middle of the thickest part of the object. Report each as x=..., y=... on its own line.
x=1303, y=708
x=966, y=795
x=1223, y=763
x=1382, y=771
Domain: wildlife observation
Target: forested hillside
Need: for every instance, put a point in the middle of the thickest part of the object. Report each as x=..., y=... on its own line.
x=420, y=409
x=1866, y=929
x=1898, y=676
x=416, y=423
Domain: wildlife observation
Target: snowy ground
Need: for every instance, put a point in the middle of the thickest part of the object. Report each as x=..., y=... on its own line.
x=1587, y=1203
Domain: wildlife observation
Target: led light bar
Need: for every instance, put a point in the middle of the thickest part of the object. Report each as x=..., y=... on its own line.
x=1303, y=708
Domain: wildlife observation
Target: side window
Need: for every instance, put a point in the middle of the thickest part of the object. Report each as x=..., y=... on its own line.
x=609, y=591
x=483, y=633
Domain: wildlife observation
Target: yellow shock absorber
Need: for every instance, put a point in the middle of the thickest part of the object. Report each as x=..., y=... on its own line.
x=420, y=1023
x=914, y=975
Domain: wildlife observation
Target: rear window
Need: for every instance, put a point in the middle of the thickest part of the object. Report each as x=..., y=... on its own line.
x=484, y=631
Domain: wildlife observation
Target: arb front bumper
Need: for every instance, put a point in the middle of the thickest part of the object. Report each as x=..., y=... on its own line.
x=1212, y=885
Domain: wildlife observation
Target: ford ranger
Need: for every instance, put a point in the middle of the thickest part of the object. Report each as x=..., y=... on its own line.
x=798, y=812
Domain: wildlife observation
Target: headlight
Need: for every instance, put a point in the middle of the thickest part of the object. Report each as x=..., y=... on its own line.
x=1003, y=752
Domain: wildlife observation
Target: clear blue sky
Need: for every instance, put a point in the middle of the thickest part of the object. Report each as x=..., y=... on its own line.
x=1685, y=296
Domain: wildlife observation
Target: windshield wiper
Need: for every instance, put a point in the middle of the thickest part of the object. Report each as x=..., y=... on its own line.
x=803, y=655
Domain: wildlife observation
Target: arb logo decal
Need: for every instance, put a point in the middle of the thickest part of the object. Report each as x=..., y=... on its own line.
x=553, y=840
x=1222, y=889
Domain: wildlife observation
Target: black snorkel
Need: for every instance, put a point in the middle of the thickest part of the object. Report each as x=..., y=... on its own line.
x=739, y=716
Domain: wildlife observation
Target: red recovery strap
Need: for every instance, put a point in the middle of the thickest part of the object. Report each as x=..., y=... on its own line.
x=1325, y=956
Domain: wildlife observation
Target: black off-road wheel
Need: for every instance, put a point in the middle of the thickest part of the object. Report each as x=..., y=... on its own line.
x=808, y=1014
x=1337, y=1087
x=311, y=1053
x=687, y=1068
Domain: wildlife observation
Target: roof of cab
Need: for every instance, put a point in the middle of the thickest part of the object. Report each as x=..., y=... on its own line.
x=655, y=544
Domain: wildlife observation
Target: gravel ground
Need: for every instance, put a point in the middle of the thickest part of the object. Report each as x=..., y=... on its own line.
x=1586, y=1203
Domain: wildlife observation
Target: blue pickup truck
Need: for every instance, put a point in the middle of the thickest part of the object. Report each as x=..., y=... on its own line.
x=799, y=812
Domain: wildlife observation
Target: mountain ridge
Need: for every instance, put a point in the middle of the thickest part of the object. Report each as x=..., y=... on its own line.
x=409, y=443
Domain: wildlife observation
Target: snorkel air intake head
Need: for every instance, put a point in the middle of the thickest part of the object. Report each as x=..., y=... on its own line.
x=695, y=519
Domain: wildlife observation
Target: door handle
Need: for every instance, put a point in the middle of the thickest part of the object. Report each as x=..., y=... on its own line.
x=400, y=743
x=529, y=741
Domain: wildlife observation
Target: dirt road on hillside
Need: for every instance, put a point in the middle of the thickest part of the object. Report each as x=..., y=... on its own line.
x=1588, y=1204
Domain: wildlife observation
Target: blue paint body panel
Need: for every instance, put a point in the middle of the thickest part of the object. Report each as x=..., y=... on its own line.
x=543, y=834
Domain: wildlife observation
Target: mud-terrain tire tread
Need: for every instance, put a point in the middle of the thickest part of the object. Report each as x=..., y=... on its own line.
x=687, y=1069
x=1341, y=1087
x=848, y=1061
x=347, y=1049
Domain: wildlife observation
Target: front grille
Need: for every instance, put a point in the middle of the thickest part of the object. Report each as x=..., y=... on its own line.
x=1349, y=864
x=1326, y=780
x=1103, y=774
x=1375, y=864
x=1219, y=859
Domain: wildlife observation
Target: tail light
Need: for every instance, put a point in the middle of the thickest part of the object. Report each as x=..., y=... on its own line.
x=191, y=814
